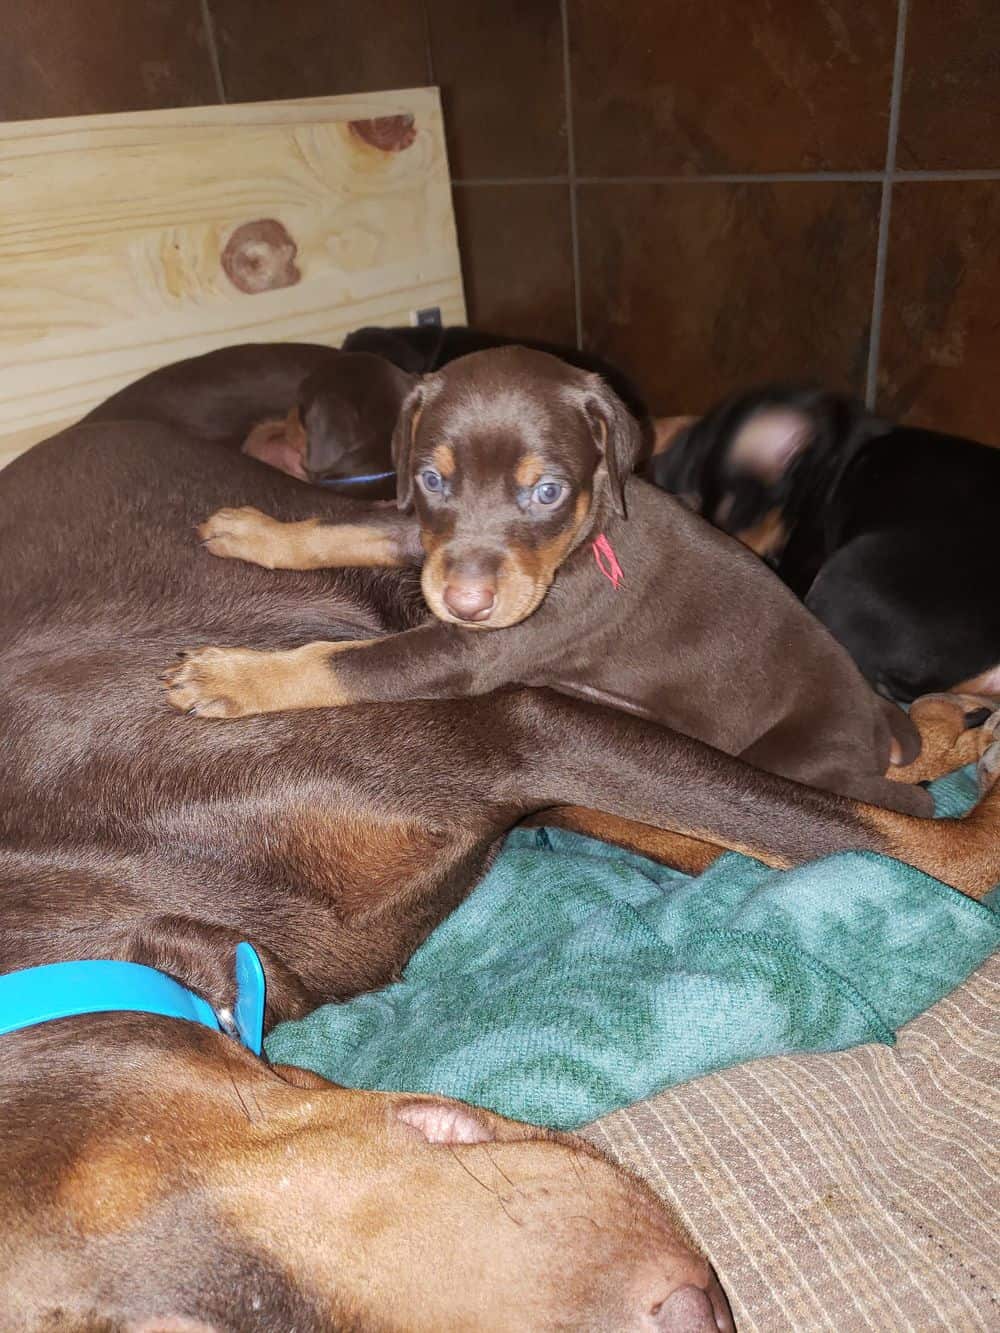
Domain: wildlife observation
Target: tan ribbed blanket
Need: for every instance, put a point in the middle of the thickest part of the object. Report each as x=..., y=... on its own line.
x=842, y=1192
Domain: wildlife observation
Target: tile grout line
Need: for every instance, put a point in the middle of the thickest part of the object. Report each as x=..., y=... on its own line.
x=737, y=178
x=475, y=182
x=427, y=46
x=762, y=178
x=931, y=176
x=957, y=174
x=882, y=246
x=574, y=232
x=208, y=23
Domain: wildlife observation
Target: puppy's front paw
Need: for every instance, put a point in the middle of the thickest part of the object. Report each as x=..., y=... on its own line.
x=218, y=682
x=242, y=534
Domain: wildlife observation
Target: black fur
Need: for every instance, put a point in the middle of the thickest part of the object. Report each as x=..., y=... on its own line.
x=892, y=531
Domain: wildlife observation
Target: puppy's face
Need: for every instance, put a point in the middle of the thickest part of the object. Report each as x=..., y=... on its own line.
x=504, y=455
x=751, y=464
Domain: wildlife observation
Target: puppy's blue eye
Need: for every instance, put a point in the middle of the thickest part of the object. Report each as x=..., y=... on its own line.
x=432, y=480
x=548, y=492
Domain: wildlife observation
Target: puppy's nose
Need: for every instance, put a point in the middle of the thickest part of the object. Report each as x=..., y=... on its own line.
x=469, y=601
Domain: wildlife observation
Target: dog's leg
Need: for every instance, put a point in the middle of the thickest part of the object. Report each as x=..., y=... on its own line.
x=433, y=661
x=575, y=753
x=581, y=754
x=383, y=538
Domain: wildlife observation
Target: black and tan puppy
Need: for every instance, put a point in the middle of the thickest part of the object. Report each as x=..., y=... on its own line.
x=887, y=532
x=317, y=413
x=528, y=521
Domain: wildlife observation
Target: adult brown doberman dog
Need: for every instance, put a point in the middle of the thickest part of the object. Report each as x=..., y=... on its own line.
x=154, y=1175
x=519, y=469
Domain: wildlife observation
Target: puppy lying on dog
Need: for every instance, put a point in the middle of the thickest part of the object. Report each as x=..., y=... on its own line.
x=528, y=520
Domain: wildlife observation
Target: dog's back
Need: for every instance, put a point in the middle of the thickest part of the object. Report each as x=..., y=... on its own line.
x=220, y=395
x=103, y=582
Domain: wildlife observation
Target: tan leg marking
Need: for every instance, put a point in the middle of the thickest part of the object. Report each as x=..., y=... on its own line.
x=239, y=682
x=767, y=536
x=247, y=534
x=945, y=741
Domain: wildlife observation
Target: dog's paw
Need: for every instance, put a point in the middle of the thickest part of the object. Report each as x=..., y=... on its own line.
x=218, y=682
x=954, y=731
x=242, y=534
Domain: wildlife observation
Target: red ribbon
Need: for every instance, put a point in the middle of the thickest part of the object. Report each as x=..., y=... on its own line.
x=607, y=561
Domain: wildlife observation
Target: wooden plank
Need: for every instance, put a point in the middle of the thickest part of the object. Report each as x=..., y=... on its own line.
x=129, y=241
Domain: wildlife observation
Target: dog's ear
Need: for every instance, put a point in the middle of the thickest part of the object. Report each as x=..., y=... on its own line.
x=281, y=444
x=402, y=444
x=618, y=437
x=769, y=442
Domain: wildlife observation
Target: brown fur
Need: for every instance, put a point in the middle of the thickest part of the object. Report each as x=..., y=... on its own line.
x=697, y=636
x=127, y=832
x=684, y=853
x=154, y=1174
x=239, y=534
x=311, y=411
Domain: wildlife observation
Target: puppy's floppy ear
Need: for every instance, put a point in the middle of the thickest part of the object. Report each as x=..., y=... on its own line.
x=617, y=435
x=281, y=444
x=402, y=444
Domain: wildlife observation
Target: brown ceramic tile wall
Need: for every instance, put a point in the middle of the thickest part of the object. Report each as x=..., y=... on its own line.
x=710, y=194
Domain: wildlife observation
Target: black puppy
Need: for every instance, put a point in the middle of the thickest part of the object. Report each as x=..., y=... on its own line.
x=427, y=348
x=888, y=533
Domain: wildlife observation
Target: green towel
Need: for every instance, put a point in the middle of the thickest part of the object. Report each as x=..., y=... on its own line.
x=577, y=978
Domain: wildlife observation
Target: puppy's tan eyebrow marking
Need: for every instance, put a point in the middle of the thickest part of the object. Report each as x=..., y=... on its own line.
x=529, y=471
x=443, y=458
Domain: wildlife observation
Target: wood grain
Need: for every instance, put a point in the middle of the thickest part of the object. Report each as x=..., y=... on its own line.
x=114, y=234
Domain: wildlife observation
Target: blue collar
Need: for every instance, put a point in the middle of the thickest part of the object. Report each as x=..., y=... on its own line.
x=101, y=986
x=355, y=481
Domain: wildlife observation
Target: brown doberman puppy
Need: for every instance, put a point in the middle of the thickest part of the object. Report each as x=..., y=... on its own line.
x=528, y=520
x=153, y=1174
x=317, y=413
